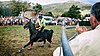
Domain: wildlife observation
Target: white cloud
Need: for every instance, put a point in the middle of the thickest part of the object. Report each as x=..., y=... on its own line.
x=43, y=2
x=4, y=0
x=89, y=1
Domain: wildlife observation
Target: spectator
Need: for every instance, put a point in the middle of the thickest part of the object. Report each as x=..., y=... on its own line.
x=87, y=43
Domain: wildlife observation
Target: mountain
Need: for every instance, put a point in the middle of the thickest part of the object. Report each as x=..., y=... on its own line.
x=60, y=8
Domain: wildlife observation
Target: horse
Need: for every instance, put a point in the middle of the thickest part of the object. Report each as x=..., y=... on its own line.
x=37, y=36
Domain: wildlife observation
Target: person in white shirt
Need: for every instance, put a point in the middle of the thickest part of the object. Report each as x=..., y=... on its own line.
x=87, y=43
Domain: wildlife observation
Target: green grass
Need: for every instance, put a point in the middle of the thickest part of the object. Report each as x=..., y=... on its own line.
x=14, y=37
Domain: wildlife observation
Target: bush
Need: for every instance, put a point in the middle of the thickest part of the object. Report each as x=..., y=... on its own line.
x=84, y=23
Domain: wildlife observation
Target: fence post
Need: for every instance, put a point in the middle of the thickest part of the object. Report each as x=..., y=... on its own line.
x=65, y=45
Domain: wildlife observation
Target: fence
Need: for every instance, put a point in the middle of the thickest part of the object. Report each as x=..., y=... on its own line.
x=65, y=45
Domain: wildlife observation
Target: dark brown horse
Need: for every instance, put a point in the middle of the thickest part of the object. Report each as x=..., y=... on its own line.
x=37, y=35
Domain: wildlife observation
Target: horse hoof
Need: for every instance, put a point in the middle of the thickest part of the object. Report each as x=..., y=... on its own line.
x=21, y=50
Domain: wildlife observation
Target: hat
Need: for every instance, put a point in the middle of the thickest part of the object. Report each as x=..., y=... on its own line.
x=40, y=17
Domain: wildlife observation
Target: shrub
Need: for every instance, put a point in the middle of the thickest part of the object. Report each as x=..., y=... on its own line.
x=84, y=23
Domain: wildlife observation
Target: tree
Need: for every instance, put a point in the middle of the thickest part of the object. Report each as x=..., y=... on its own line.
x=73, y=12
x=64, y=14
x=4, y=10
x=16, y=7
x=37, y=8
x=87, y=15
x=49, y=14
x=13, y=8
x=1, y=10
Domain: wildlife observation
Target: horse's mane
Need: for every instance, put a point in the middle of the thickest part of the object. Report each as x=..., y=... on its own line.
x=33, y=28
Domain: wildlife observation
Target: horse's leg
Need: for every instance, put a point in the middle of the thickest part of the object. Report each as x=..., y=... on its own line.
x=31, y=42
x=49, y=45
x=22, y=49
x=49, y=40
x=30, y=46
x=44, y=43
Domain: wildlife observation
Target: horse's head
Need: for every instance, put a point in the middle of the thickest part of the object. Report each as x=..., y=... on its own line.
x=29, y=25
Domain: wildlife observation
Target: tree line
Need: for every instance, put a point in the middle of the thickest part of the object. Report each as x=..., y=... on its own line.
x=14, y=8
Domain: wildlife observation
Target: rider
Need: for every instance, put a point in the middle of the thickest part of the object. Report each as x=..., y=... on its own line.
x=40, y=23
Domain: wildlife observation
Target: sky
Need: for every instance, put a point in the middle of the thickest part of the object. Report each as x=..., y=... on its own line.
x=45, y=2
x=89, y=1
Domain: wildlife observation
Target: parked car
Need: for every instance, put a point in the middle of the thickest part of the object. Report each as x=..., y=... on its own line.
x=86, y=19
x=49, y=20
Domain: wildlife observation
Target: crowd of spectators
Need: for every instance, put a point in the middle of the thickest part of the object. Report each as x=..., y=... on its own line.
x=14, y=20
x=67, y=20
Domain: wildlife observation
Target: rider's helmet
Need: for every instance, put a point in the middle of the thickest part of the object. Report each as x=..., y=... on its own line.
x=40, y=17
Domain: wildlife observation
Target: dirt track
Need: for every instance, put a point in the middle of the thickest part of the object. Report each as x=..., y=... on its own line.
x=14, y=37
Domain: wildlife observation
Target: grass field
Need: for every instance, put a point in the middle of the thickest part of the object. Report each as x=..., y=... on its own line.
x=14, y=37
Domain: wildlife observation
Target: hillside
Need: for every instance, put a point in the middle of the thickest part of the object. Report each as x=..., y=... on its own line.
x=59, y=8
